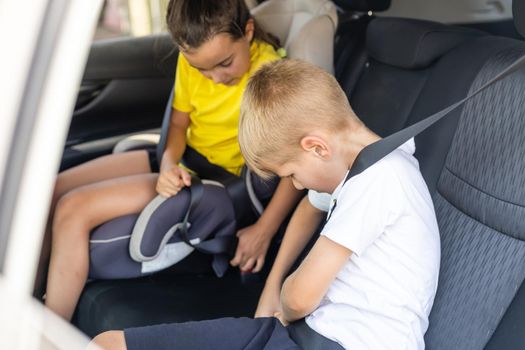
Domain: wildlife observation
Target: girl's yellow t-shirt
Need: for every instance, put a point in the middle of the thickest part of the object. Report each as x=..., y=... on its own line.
x=214, y=109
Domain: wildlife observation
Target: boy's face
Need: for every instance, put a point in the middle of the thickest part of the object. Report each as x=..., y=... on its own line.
x=222, y=59
x=301, y=175
x=312, y=169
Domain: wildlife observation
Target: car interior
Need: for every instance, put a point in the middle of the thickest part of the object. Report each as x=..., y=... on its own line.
x=395, y=71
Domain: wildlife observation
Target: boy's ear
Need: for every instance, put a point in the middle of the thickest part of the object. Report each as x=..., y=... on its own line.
x=316, y=145
x=249, y=29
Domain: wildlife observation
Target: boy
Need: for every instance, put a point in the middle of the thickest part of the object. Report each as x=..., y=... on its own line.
x=369, y=280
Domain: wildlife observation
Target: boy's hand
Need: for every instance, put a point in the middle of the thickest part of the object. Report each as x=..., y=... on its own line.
x=172, y=180
x=251, y=250
x=270, y=300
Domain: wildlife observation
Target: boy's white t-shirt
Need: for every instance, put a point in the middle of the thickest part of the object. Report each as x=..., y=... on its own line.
x=382, y=297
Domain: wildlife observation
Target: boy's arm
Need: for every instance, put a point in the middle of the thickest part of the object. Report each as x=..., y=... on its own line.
x=172, y=178
x=304, y=289
x=255, y=239
x=302, y=226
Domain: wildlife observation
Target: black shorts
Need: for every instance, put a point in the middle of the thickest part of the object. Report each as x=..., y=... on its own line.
x=225, y=333
x=228, y=334
x=154, y=163
x=264, y=189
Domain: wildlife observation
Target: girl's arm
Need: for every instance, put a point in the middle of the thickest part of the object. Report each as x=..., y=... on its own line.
x=303, y=290
x=255, y=239
x=302, y=226
x=172, y=178
x=176, y=140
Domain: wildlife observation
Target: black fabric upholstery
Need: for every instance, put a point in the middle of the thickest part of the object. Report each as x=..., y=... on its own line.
x=350, y=48
x=422, y=41
x=384, y=96
x=509, y=334
x=363, y=5
x=185, y=293
x=479, y=275
x=504, y=27
x=480, y=205
x=489, y=153
x=448, y=81
x=518, y=13
x=388, y=98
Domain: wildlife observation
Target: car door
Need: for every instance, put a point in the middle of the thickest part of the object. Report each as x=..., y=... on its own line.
x=124, y=90
x=48, y=46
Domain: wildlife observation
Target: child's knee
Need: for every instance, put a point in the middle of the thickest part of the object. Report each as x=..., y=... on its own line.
x=68, y=210
x=110, y=340
x=63, y=185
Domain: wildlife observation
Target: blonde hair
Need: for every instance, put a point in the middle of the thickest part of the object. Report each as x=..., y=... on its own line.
x=283, y=102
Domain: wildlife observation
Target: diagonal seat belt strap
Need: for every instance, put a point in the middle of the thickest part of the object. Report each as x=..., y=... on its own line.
x=376, y=151
x=379, y=149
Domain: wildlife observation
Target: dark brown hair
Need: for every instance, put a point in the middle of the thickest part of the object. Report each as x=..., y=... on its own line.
x=193, y=22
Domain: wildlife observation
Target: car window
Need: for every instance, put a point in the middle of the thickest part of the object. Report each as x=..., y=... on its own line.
x=131, y=18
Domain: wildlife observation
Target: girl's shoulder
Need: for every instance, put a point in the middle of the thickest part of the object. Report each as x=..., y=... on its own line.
x=264, y=50
x=261, y=52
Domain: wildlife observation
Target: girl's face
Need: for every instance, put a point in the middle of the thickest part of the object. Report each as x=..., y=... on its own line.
x=223, y=59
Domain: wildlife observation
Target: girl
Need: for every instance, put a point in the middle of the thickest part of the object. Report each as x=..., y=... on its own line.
x=220, y=47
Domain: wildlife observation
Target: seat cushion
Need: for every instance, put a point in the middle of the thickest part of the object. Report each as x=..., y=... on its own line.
x=186, y=294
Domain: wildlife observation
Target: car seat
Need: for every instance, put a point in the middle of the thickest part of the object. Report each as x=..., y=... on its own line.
x=472, y=163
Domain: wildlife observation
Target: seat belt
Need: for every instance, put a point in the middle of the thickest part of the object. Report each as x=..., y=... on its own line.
x=221, y=247
x=215, y=245
x=376, y=151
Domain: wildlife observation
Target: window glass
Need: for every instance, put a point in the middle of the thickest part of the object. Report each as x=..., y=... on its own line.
x=124, y=18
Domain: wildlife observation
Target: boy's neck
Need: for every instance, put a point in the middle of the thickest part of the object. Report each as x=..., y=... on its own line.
x=356, y=140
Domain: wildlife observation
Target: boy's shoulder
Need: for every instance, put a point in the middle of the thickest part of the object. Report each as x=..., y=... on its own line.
x=399, y=165
x=373, y=200
x=401, y=159
x=390, y=185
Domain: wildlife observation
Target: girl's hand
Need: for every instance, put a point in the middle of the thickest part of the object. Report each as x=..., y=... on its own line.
x=270, y=300
x=252, y=247
x=172, y=180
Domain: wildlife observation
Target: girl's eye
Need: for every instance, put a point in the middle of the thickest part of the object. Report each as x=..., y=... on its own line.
x=226, y=64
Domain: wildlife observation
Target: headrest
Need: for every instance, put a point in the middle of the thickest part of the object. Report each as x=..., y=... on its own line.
x=518, y=12
x=284, y=18
x=305, y=28
x=412, y=44
x=363, y=5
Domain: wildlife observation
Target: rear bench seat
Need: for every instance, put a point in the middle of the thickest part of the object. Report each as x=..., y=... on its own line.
x=474, y=166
